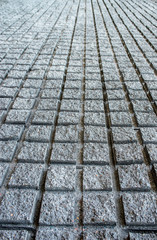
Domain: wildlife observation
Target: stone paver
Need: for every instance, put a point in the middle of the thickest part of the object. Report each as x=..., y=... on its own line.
x=78, y=119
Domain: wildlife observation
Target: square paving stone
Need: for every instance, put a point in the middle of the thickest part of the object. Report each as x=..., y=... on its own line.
x=123, y=134
x=133, y=176
x=93, y=84
x=70, y=105
x=7, y=92
x=68, y=117
x=141, y=105
x=146, y=118
x=120, y=118
x=152, y=150
x=10, y=82
x=71, y=93
x=94, y=94
x=149, y=134
x=51, y=93
x=94, y=105
x=4, y=103
x=17, y=116
x=94, y=118
x=143, y=236
x=22, y=103
x=96, y=152
x=3, y=171
x=39, y=74
x=97, y=177
x=57, y=208
x=53, y=83
x=67, y=133
x=119, y=105
x=64, y=152
x=95, y=133
x=115, y=94
x=10, y=131
x=48, y=233
x=28, y=92
x=7, y=149
x=18, y=206
x=100, y=234
x=60, y=177
x=43, y=117
x=14, y=234
x=99, y=207
x=32, y=83
x=33, y=151
x=140, y=207
x=27, y=175
x=38, y=132
x=128, y=152
x=47, y=104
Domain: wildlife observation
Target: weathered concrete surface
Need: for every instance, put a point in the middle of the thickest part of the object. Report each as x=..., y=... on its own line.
x=78, y=119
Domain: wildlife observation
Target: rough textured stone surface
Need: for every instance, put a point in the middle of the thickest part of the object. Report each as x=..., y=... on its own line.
x=134, y=176
x=14, y=234
x=99, y=207
x=3, y=171
x=140, y=207
x=97, y=177
x=64, y=152
x=96, y=152
x=39, y=132
x=57, y=208
x=17, y=206
x=27, y=175
x=60, y=177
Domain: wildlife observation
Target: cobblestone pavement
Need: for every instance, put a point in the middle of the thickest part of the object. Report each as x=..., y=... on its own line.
x=78, y=133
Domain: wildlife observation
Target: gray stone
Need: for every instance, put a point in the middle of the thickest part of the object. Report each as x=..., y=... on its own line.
x=97, y=177
x=28, y=93
x=14, y=234
x=7, y=149
x=96, y=152
x=120, y=118
x=47, y=104
x=99, y=233
x=140, y=207
x=67, y=133
x=7, y=92
x=57, y=208
x=39, y=74
x=18, y=206
x=94, y=105
x=93, y=94
x=32, y=83
x=10, y=131
x=94, y=118
x=152, y=150
x=50, y=233
x=27, y=175
x=99, y=207
x=64, y=152
x=95, y=133
x=134, y=176
x=53, y=83
x=4, y=103
x=119, y=105
x=143, y=236
x=17, y=116
x=60, y=177
x=33, y=151
x=123, y=134
x=115, y=94
x=140, y=105
x=149, y=134
x=71, y=93
x=51, y=93
x=3, y=171
x=21, y=103
x=10, y=82
x=128, y=152
x=68, y=117
x=146, y=118
x=43, y=117
x=38, y=132
x=70, y=105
